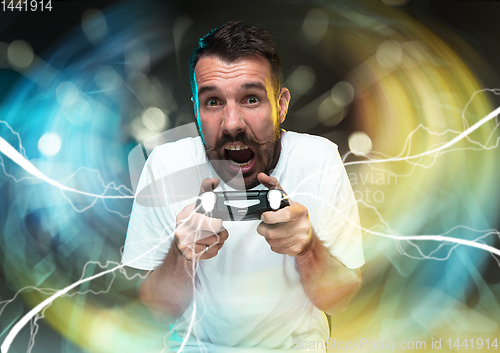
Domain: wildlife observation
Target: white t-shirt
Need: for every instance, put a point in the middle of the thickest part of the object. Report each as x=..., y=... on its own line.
x=247, y=296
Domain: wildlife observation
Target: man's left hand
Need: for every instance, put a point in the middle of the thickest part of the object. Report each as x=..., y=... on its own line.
x=288, y=230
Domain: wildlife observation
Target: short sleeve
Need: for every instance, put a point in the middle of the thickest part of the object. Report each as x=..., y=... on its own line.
x=169, y=181
x=337, y=221
x=151, y=225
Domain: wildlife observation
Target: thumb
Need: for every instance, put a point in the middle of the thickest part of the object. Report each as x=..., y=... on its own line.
x=209, y=184
x=269, y=182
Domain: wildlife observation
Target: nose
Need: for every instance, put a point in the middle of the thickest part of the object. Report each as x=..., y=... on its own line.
x=233, y=121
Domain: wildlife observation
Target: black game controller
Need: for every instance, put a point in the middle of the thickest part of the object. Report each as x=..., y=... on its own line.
x=240, y=205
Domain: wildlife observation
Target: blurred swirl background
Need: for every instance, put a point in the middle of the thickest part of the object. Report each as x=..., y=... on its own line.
x=85, y=83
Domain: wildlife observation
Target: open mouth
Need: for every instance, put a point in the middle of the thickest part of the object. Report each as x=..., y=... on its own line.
x=239, y=155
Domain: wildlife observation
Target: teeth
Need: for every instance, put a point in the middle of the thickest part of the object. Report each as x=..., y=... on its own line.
x=236, y=147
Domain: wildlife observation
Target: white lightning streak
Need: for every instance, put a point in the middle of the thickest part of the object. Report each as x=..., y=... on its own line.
x=33, y=312
x=19, y=159
x=15, y=134
x=442, y=238
x=450, y=143
x=22, y=152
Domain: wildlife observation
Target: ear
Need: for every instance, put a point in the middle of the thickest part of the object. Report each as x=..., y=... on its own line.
x=283, y=102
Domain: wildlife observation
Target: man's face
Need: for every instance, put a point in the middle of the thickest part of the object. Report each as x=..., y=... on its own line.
x=239, y=112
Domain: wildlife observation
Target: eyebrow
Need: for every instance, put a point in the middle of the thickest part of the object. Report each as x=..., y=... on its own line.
x=247, y=85
x=257, y=85
x=206, y=89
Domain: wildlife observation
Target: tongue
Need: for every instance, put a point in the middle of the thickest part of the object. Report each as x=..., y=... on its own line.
x=241, y=156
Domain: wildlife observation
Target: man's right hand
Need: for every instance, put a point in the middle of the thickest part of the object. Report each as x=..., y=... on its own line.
x=197, y=236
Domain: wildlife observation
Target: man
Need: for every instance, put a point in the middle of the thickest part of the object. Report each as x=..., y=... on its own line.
x=252, y=285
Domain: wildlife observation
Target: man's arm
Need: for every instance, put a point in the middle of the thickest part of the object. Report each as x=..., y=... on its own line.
x=168, y=290
x=327, y=282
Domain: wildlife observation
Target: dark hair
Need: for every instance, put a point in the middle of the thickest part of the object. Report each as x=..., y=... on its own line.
x=234, y=40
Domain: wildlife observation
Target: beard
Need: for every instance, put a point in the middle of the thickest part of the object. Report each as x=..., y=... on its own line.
x=266, y=155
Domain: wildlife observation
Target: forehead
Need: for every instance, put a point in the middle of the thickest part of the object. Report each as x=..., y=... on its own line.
x=212, y=70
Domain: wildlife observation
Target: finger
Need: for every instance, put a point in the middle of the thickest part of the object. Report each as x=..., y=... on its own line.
x=192, y=236
x=209, y=184
x=201, y=237
x=214, y=238
x=284, y=215
x=293, y=250
x=275, y=231
x=291, y=246
x=284, y=250
x=200, y=222
x=282, y=242
x=198, y=251
x=204, y=248
x=269, y=182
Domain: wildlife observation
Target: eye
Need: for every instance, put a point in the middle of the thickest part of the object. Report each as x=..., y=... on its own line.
x=212, y=103
x=253, y=100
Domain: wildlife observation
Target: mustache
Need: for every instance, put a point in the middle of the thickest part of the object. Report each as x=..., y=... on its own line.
x=243, y=138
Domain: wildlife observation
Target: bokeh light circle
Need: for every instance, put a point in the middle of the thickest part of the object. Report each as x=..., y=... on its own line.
x=49, y=144
x=20, y=54
x=360, y=143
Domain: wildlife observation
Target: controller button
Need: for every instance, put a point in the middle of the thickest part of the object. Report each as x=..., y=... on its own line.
x=274, y=198
x=208, y=201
